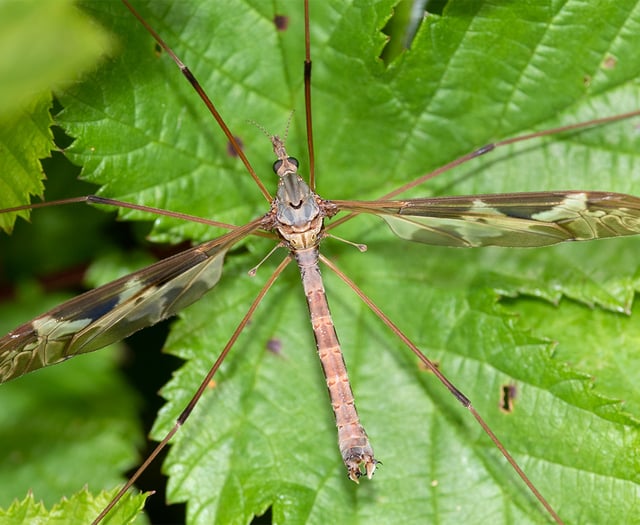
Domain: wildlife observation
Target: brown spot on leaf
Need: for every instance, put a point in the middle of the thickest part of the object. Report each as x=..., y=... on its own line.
x=281, y=22
x=274, y=346
x=424, y=367
x=231, y=151
x=508, y=394
x=609, y=62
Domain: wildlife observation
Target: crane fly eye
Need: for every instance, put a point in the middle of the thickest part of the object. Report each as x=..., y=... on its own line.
x=278, y=163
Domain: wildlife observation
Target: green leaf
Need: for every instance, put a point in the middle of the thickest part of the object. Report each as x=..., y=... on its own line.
x=25, y=138
x=43, y=44
x=263, y=435
x=82, y=508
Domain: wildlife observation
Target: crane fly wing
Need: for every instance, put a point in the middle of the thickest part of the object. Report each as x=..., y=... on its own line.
x=509, y=219
x=116, y=310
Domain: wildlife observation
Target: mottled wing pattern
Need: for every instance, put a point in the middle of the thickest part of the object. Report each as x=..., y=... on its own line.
x=116, y=310
x=509, y=219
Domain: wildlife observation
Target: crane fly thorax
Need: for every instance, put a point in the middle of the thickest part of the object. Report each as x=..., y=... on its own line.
x=298, y=218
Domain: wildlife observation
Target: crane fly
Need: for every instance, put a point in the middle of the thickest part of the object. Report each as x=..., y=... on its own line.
x=261, y=418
